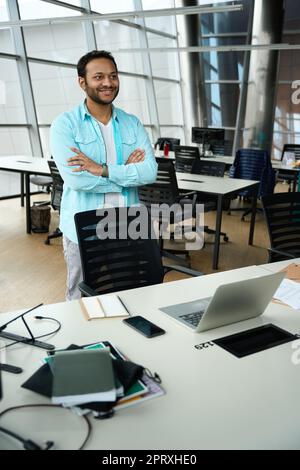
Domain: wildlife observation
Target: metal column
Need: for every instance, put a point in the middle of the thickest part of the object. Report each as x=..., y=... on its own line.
x=192, y=72
x=88, y=27
x=25, y=81
x=147, y=70
x=260, y=105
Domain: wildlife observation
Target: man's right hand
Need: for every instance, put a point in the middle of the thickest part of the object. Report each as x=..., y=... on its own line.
x=137, y=156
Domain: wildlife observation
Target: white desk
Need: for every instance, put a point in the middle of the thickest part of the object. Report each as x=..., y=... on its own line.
x=278, y=265
x=229, y=159
x=213, y=400
x=276, y=164
x=26, y=166
x=221, y=188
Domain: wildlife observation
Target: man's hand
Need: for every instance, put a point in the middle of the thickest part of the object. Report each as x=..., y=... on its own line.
x=136, y=156
x=84, y=163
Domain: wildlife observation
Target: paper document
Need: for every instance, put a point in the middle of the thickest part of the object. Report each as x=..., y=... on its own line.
x=289, y=293
x=103, y=306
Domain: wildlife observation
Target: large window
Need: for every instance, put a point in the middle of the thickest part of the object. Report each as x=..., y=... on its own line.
x=112, y=36
x=103, y=6
x=55, y=86
x=58, y=42
x=168, y=102
x=11, y=101
x=55, y=90
x=133, y=97
x=287, y=113
x=152, y=83
x=31, y=9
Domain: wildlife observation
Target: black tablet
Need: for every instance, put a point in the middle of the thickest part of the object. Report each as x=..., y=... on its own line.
x=255, y=340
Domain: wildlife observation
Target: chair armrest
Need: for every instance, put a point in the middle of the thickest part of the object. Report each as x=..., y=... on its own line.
x=86, y=290
x=283, y=253
x=193, y=200
x=182, y=269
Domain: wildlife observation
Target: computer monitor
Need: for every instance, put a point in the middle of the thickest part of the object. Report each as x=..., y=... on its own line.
x=207, y=135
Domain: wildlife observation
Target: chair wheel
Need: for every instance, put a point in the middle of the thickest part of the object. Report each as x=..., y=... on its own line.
x=47, y=242
x=226, y=239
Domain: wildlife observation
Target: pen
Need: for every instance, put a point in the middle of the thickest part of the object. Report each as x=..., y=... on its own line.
x=123, y=304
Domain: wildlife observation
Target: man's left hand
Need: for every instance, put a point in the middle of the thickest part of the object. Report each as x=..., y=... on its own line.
x=137, y=156
x=84, y=163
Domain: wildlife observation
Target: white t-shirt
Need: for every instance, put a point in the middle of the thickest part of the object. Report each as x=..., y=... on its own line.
x=110, y=199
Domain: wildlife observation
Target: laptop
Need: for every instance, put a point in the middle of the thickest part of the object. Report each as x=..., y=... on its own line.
x=230, y=303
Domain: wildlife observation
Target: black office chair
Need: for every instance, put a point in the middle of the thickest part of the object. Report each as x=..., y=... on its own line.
x=184, y=157
x=282, y=213
x=211, y=168
x=282, y=175
x=165, y=191
x=171, y=141
x=45, y=183
x=253, y=164
x=120, y=261
x=42, y=182
x=56, y=195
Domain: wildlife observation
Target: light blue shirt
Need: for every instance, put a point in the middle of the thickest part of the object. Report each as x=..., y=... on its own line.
x=84, y=191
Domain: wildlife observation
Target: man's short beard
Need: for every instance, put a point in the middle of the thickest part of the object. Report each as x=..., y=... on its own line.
x=94, y=97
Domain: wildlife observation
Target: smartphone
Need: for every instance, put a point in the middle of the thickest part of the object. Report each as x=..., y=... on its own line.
x=144, y=326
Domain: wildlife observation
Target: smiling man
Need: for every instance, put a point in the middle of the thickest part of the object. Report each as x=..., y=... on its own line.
x=102, y=154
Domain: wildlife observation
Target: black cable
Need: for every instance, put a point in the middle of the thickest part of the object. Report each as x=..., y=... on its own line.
x=38, y=317
x=31, y=445
x=28, y=444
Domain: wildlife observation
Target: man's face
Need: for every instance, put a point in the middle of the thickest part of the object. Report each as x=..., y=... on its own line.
x=101, y=82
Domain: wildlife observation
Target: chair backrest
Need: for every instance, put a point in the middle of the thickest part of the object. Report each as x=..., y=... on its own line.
x=165, y=189
x=57, y=186
x=117, y=262
x=171, y=140
x=254, y=164
x=282, y=212
x=184, y=157
x=208, y=167
x=294, y=148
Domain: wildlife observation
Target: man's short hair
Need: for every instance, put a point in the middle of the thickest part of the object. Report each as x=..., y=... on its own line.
x=84, y=60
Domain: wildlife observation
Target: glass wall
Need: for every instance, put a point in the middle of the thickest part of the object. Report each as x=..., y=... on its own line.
x=151, y=82
x=55, y=90
x=112, y=36
x=287, y=112
x=11, y=101
x=49, y=48
x=32, y=9
x=60, y=42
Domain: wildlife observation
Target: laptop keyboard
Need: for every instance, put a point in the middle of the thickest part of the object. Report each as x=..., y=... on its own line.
x=193, y=318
